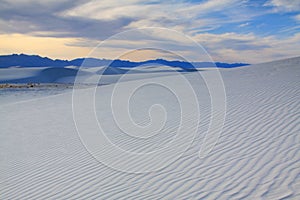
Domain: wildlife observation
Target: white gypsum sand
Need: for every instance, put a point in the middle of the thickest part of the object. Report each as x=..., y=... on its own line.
x=257, y=155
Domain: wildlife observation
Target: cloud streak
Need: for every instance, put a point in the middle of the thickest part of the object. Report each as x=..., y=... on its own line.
x=284, y=5
x=44, y=19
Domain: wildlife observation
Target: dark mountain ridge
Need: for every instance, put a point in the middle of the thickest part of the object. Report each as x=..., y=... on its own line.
x=23, y=60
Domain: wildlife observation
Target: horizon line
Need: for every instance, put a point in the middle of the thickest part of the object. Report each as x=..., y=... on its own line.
x=58, y=59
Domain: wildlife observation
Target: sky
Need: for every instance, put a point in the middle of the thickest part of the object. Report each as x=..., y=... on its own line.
x=251, y=31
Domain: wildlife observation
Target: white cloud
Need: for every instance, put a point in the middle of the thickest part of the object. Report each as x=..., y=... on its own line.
x=284, y=5
x=233, y=47
x=227, y=47
x=297, y=17
x=183, y=16
x=244, y=24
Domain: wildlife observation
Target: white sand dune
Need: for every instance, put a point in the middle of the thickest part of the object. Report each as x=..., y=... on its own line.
x=257, y=155
x=67, y=74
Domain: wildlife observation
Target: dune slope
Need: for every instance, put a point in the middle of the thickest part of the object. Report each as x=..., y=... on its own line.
x=257, y=156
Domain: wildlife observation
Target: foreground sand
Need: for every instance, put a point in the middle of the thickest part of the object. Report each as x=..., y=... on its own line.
x=256, y=157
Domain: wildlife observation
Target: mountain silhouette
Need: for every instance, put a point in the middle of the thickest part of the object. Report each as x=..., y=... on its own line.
x=23, y=60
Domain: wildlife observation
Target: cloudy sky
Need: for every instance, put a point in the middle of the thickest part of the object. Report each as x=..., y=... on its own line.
x=250, y=31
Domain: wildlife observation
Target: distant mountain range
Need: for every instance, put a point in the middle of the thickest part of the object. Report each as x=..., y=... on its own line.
x=23, y=60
